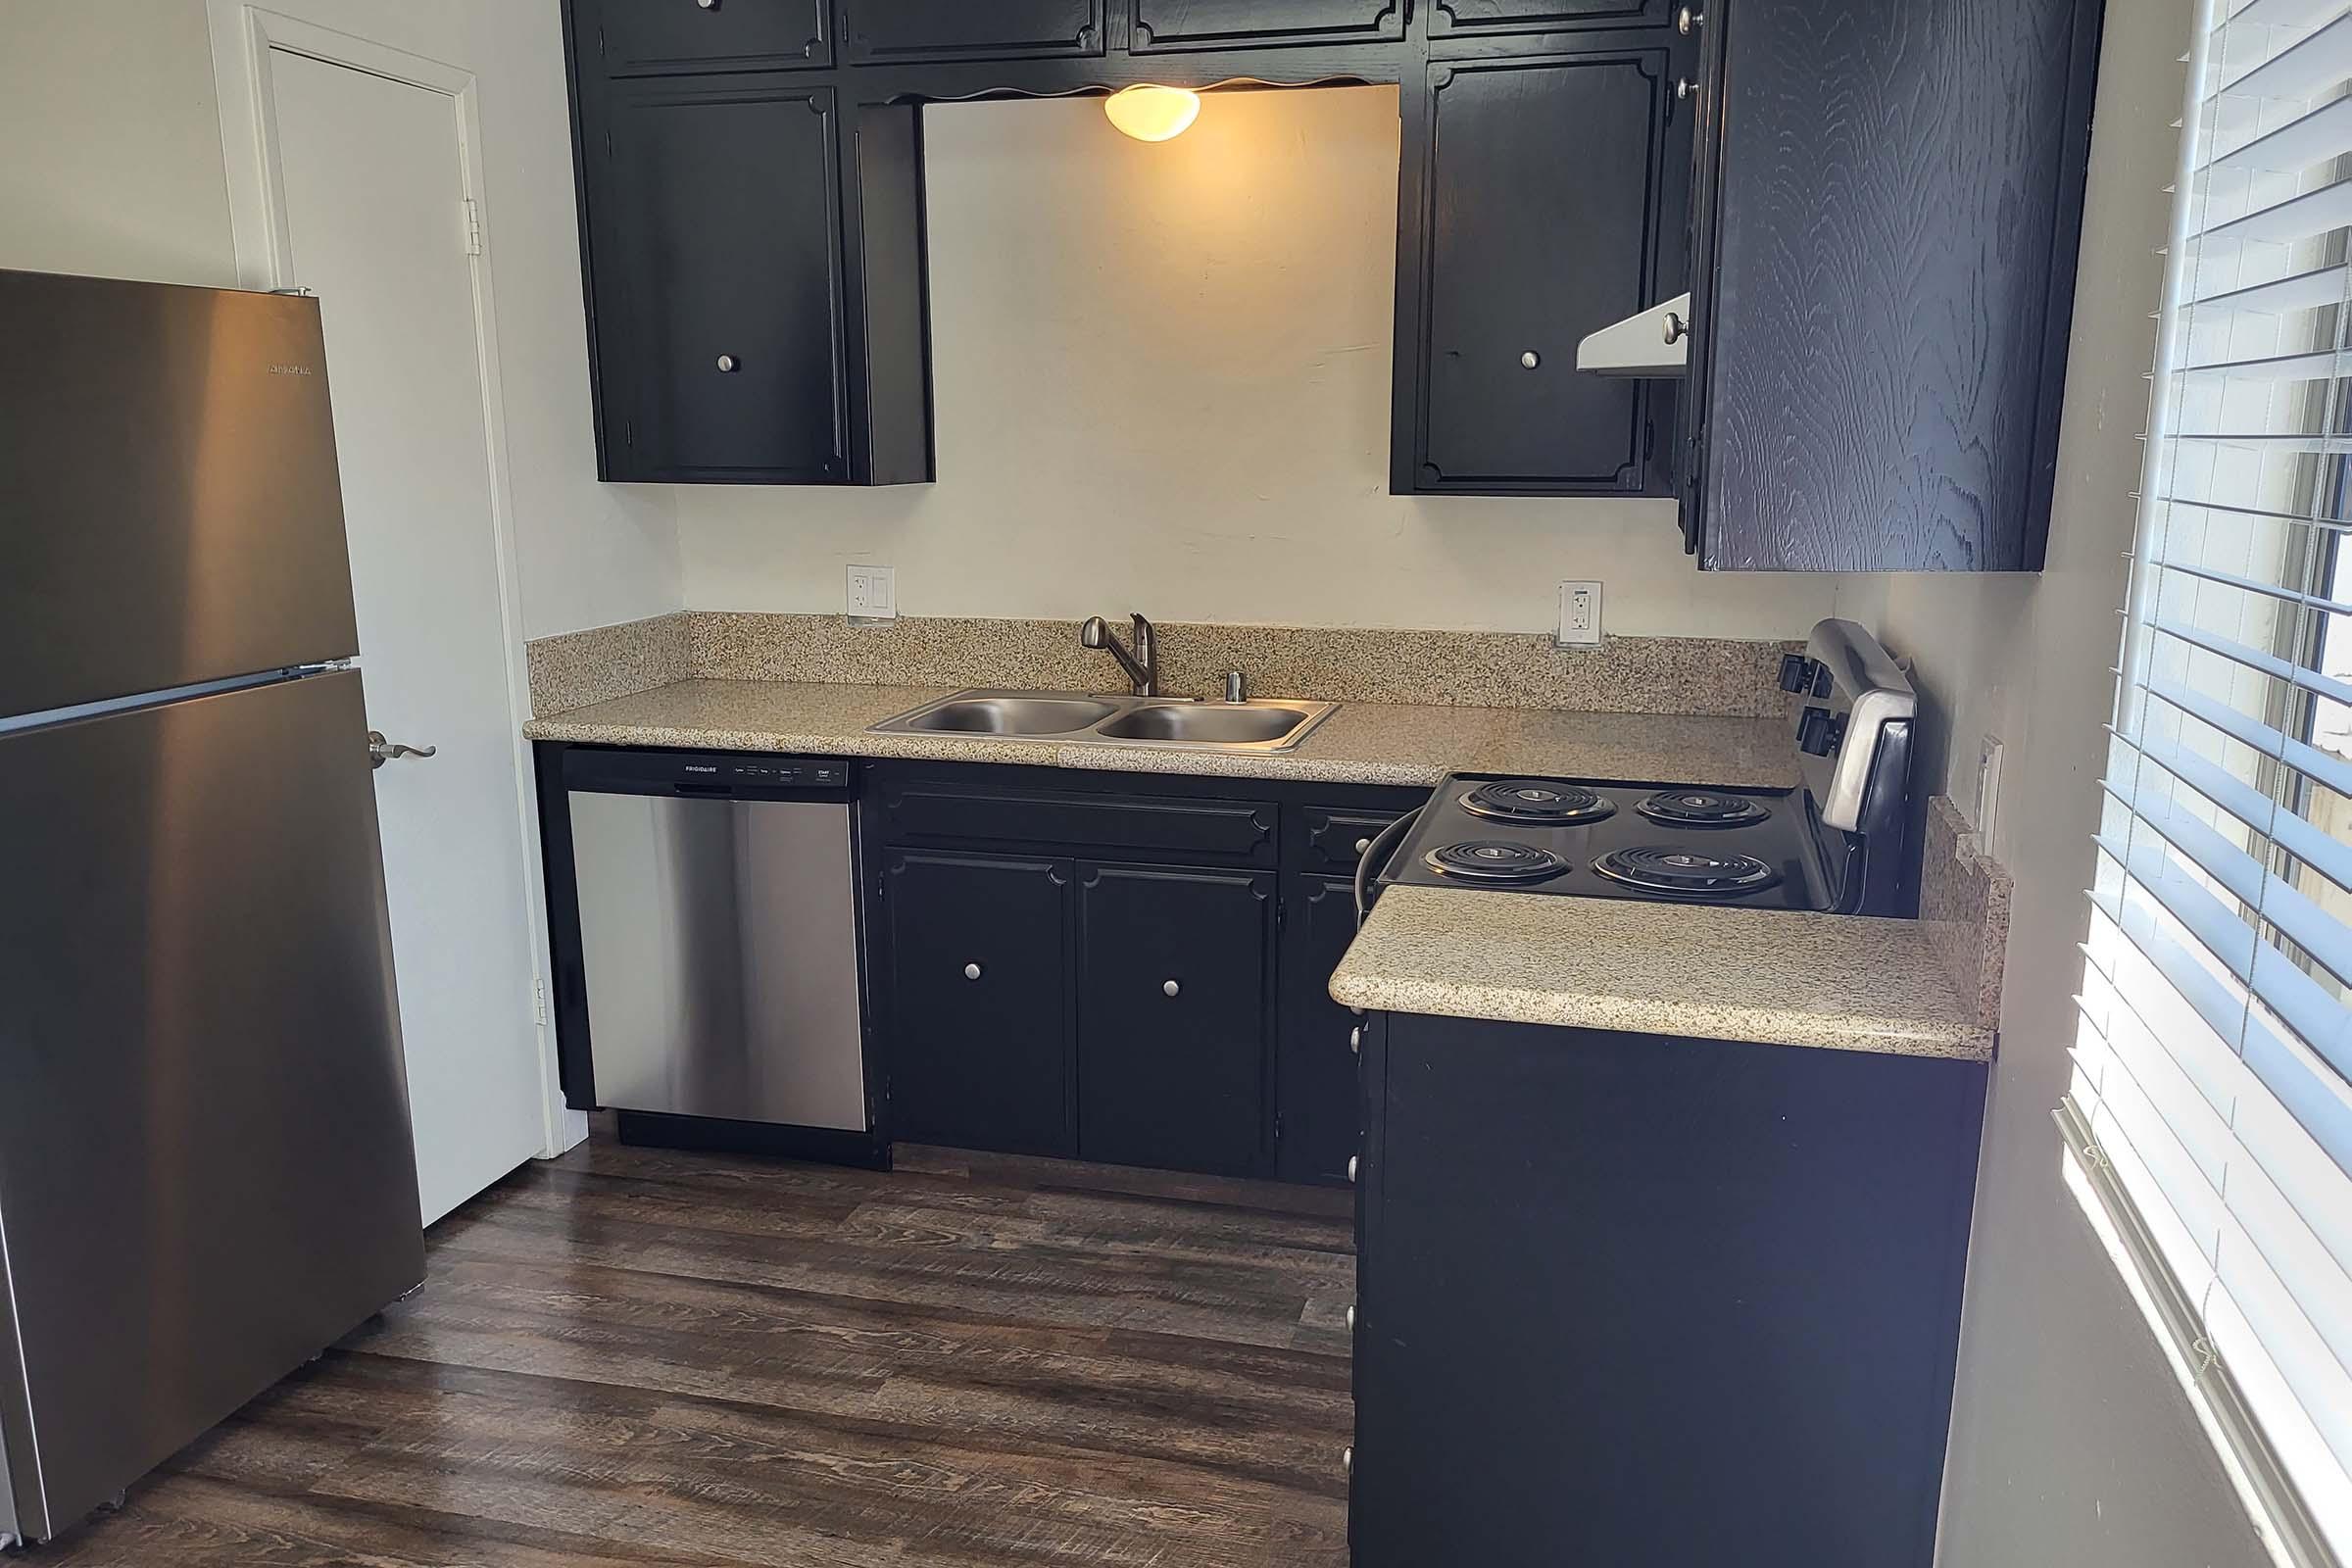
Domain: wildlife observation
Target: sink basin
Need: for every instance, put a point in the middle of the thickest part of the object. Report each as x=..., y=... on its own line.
x=1077, y=719
x=1013, y=716
x=1217, y=725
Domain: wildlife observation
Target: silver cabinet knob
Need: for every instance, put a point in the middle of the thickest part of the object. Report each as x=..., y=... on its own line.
x=1169, y=988
x=1362, y=846
x=727, y=364
x=1688, y=22
x=381, y=750
x=1348, y=1459
x=971, y=971
x=1351, y=1167
x=1355, y=1039
x=1529, y=360
x=1683, y=88
x=707, y=5
x=1352, y=1316
x=1674, y=327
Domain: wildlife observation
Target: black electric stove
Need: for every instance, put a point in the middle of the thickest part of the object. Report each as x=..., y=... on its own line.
x=1833, y=844
x=1616, y=841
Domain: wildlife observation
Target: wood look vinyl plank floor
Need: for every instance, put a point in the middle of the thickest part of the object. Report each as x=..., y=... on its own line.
x=631, y=1356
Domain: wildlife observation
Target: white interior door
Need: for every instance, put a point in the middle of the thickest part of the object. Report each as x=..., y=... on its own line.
x=372, y=179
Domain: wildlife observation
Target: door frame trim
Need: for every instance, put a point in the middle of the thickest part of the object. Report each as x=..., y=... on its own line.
x=243, y=35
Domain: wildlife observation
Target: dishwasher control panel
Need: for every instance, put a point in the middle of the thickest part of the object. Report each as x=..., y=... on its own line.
x=746, y=775
x=769, y=773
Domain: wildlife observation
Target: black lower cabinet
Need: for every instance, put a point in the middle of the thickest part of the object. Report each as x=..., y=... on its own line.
x=1315, y=1073
x=1626, y=1298
x=979, y=1000
x=1121, y=968
x=1174, y=1014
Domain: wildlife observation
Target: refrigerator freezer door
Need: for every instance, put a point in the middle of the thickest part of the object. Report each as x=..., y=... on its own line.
x=206, y=1173
x=167, y=481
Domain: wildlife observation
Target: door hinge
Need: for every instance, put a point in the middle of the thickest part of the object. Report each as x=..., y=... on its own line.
x=1282, y=914
x=628, y=433
x=473, y=227
x=1277, y=1126
x=539, y=998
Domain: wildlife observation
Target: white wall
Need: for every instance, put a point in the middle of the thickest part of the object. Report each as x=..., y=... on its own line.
x=110, y=142
x=111, y=162
x=2071, y=1441
x=1161, y=375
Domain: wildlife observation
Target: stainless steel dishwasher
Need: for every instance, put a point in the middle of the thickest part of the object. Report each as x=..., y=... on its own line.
x=709, y=987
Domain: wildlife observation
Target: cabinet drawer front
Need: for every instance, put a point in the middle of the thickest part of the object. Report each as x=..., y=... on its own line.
x=1236, y=830
x=719, y=316
x=1332, y=839
x=1542, y=15
x=979, y=1001
x=880, y=31
x=1161, y=26
x=1526, y=253
x=1172, y=1011
x=636, y=37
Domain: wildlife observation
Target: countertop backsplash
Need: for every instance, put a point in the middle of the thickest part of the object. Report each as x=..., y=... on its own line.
x=1703, y=676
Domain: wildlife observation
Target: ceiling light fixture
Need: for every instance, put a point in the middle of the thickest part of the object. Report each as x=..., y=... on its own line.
x=1152, y=114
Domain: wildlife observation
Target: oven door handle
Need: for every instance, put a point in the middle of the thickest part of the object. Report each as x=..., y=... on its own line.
x=1375, y=857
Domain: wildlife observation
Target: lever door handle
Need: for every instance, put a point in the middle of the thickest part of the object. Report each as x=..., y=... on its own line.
x=381, y=750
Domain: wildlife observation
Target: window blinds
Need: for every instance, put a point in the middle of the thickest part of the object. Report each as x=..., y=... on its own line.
x=2211, y=1104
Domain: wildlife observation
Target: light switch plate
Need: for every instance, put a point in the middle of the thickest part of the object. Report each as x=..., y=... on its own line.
x=873, y=595
x=1580, y=616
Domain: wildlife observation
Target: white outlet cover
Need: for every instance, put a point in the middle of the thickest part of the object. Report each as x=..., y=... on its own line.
x=873, y=594
x=1580, y=616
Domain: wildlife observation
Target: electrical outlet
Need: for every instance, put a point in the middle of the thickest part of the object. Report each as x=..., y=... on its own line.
x=873, y=594
x=1989, y=789
x=1580, y=616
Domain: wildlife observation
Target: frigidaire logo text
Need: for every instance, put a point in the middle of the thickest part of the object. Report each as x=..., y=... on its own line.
x=291, y=369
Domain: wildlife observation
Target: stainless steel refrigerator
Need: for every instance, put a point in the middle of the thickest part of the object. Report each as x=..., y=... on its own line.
x=206, y=1171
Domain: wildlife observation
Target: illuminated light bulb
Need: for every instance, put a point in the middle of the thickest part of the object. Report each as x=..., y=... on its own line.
x=1152, y=114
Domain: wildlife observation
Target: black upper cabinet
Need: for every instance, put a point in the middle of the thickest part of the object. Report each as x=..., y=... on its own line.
x=1889, y=229
x=979, y=1000
x=1541, y=16
x=936, y=31
x=1174, y=1009
x=718, y=293
x=1519, y=251
x=639, y=36
x=1163, y=25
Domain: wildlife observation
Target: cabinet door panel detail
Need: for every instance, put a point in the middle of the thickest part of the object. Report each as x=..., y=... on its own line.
x=1172, y=1015
x=979, y=1000
x=718, y=280
x=1160, y=25
x=910, y=30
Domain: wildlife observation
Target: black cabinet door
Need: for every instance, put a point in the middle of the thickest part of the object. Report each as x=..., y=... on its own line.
x=1160, y=25
x=718, y=295
x=911, y=30
x=1541, y=219
x=1173, y=1013
x=1544, y=16
x=1633, y=1300
x=1881, y=382
x=634, y=37
x=1315, y=1088
x=979, y=1003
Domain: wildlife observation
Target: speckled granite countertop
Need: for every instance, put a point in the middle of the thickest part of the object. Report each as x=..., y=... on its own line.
x=1363, y=743
x=1772, y=976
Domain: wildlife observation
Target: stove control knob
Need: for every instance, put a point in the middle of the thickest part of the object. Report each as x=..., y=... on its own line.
x=1823, y=682
x=1797, y=672
x=1816, y=732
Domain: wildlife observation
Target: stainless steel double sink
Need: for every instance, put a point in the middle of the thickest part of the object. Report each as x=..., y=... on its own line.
x=1075, y=718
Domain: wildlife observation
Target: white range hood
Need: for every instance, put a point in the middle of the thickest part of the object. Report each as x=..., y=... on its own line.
x=1657, y=342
